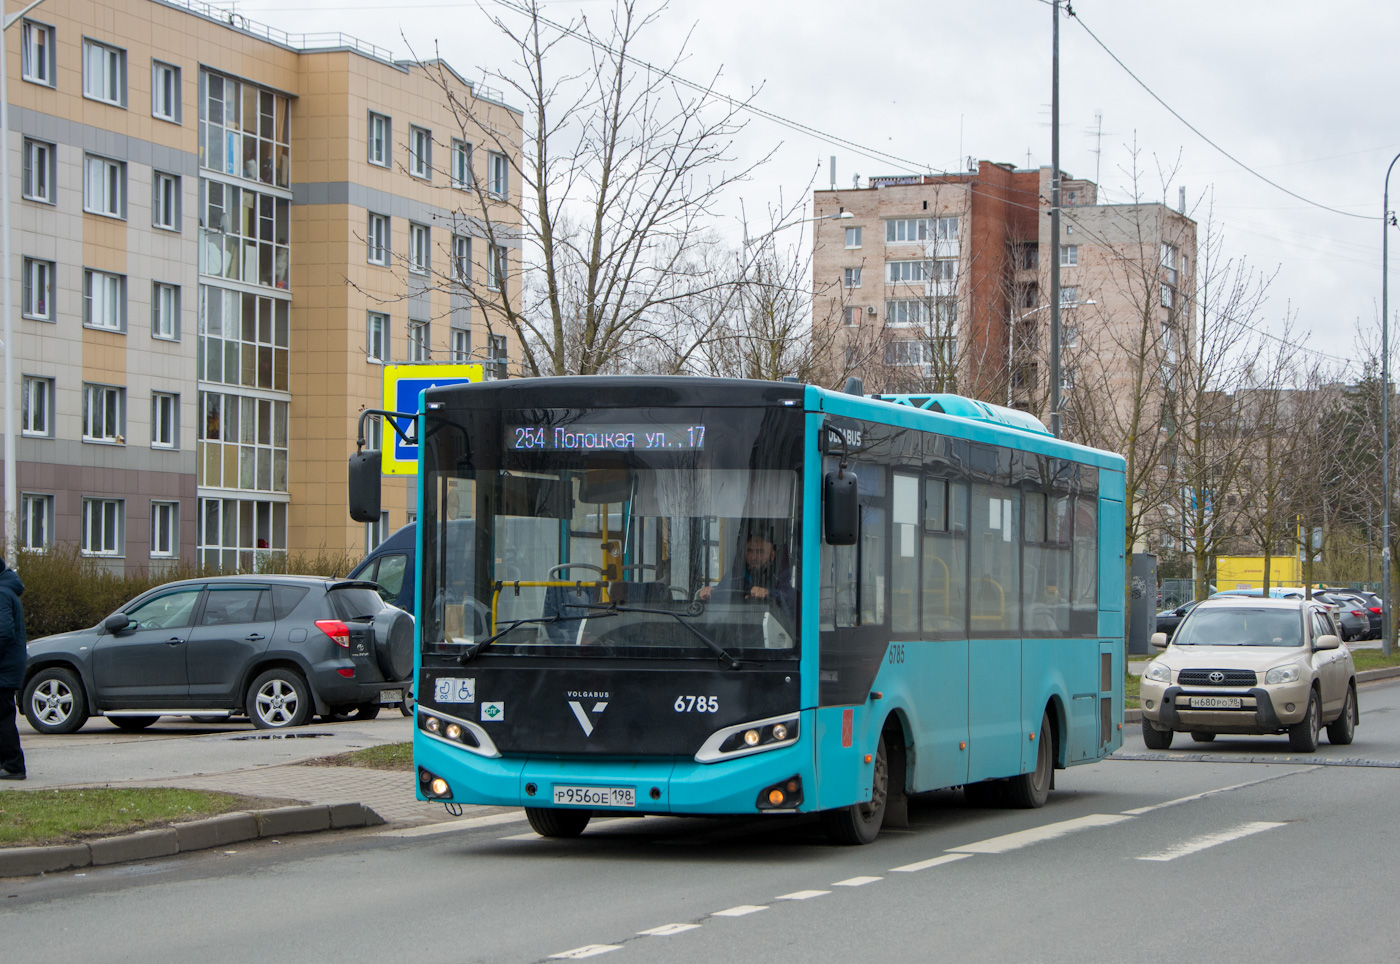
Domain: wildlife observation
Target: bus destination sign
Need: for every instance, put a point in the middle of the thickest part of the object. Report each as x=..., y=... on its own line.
x=606, y=438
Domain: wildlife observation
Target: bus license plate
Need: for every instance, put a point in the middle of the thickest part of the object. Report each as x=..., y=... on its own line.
x=1215, y=702
x=596, y=796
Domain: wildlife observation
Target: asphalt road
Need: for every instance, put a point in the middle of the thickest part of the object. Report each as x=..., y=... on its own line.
x=1244, y=852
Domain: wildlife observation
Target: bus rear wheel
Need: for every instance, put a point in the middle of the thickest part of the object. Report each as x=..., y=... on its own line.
x=860, y=822
x=557, y=823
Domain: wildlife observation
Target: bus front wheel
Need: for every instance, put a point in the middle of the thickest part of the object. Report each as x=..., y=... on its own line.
x=1030, y=790
x=557, y=823
x=860, y=823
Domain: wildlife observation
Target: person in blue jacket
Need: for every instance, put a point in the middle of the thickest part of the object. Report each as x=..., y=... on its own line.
x=12, y=660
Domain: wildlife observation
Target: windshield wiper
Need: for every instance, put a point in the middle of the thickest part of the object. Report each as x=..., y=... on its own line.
x=713, y=646
x=475, y=648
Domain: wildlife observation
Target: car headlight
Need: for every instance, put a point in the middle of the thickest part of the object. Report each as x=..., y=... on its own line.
x=1284, y=674
x=1158, y=672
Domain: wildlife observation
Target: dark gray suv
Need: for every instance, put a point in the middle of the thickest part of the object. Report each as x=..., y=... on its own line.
x=276, y=648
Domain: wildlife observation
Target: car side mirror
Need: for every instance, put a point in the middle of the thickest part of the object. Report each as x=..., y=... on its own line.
x=116, y=622
x=1159, y=640
x=1327, y=641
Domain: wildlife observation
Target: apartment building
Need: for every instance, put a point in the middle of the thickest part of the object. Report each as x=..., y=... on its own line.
x=223, y=232
x=942, y=282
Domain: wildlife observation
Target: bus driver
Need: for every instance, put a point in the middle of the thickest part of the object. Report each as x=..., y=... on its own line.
x=761, y=578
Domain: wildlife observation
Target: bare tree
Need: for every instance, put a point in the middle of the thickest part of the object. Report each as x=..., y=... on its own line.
x=606, y=194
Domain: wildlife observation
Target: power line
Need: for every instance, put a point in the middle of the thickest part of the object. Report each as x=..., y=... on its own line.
x=1195, y=130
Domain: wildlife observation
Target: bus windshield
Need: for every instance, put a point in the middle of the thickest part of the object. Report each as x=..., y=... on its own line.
x=614, y=533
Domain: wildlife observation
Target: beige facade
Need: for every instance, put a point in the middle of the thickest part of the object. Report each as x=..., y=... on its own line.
x=197, y=269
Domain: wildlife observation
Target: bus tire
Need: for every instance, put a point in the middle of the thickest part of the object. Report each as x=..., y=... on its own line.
x=987, y=793
x=1029, y=791
x=860, y=822
x=557, y=823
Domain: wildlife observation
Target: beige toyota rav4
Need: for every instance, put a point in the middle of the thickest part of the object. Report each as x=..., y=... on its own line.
x=1251, y=665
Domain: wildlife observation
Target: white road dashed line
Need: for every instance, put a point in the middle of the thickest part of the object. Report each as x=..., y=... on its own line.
x=1035, y=835
x=926, y=864
x=587, y=950
x=856, y=881
x=740, y=911
x=666, y=930
x=802, y=895
x=1212, y=840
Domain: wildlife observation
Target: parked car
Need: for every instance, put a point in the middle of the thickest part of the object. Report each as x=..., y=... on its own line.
x=1275, y=592
x=1370, y=602
x=1352, y=618
x=276, y=648
x=1169, y=619
x=1257, y=665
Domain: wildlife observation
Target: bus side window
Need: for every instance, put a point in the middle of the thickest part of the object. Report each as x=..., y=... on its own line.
x=945, y=558
x=1084, y=603
x=904, y=554
x=995, y=589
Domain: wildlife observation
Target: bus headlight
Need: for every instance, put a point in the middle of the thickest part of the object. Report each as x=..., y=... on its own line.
x=746, y=738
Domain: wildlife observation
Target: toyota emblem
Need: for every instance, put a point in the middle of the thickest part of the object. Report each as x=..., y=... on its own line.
x=1217, y=677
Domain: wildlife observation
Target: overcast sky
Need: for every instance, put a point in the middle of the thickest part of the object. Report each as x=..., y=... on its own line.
x=1301, y=93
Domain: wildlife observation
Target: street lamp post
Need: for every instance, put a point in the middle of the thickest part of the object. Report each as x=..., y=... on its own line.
x=1385, y=414
x=7, y=337
x=1055, y=227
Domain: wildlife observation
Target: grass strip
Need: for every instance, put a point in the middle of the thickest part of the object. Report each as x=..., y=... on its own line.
x=388, y=756
x=35, y=817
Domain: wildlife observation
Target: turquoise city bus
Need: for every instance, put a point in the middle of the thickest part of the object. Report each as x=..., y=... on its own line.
x=668, y=595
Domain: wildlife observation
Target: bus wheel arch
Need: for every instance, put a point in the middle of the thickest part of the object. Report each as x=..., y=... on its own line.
x=860, y=823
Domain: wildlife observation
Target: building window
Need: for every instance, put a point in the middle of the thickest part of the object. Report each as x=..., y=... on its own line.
x=850, y=315
x=906, y=313
x=104, y=415
x=900, y=352
x=103, y=526
x=909, y=272
x=243, y=339
x=498, y=353
x=498, y=175
x=165, y=91
x=1169, y=256
x=907, y=230
x=419, y=341
x=853, y=237
x=244, y=131
x=104, y=186
x=165, y=311
x=165, y=202
x=38, y=289
x=37, y=53
x=461, y=345
x=419, y=252
x=496, y=267
x=104, y=300
x=461, y=259
x=240, y=533
x=420, y=152
x=165, y=529
x=851, y=277
x=377, y=336
x=36, y=404
x=1069, y=255
x=104, y=73
x=165, y=420
x=242, y=443
x=1069, y=295
x=245, y=235
x=39, y=170
x=461, y=164
x=35, y=522
x=376, y=532
x=1030, y=256
x=1168, y=296
x=379, y=139
x=378, y=239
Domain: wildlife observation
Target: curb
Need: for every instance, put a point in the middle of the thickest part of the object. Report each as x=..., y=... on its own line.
x=217, y=831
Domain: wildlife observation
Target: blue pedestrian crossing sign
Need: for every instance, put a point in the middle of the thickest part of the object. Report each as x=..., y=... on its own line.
x=403, y=388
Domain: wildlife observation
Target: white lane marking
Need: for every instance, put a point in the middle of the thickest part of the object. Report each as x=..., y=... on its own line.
x=1197, y=796
x=1212, y=840
x=803, y=895
x=856, y=881
x=926, y=864
x=666, y=930
x=452, y=826
x=587, y=950
x=1035, y=835
x=739, y=911
x=528, y=835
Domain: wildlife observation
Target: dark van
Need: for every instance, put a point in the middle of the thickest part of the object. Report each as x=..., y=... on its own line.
x=391, y=566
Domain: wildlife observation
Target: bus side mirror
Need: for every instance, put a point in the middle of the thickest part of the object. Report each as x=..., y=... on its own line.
x=364, y=485
x=840, y=508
